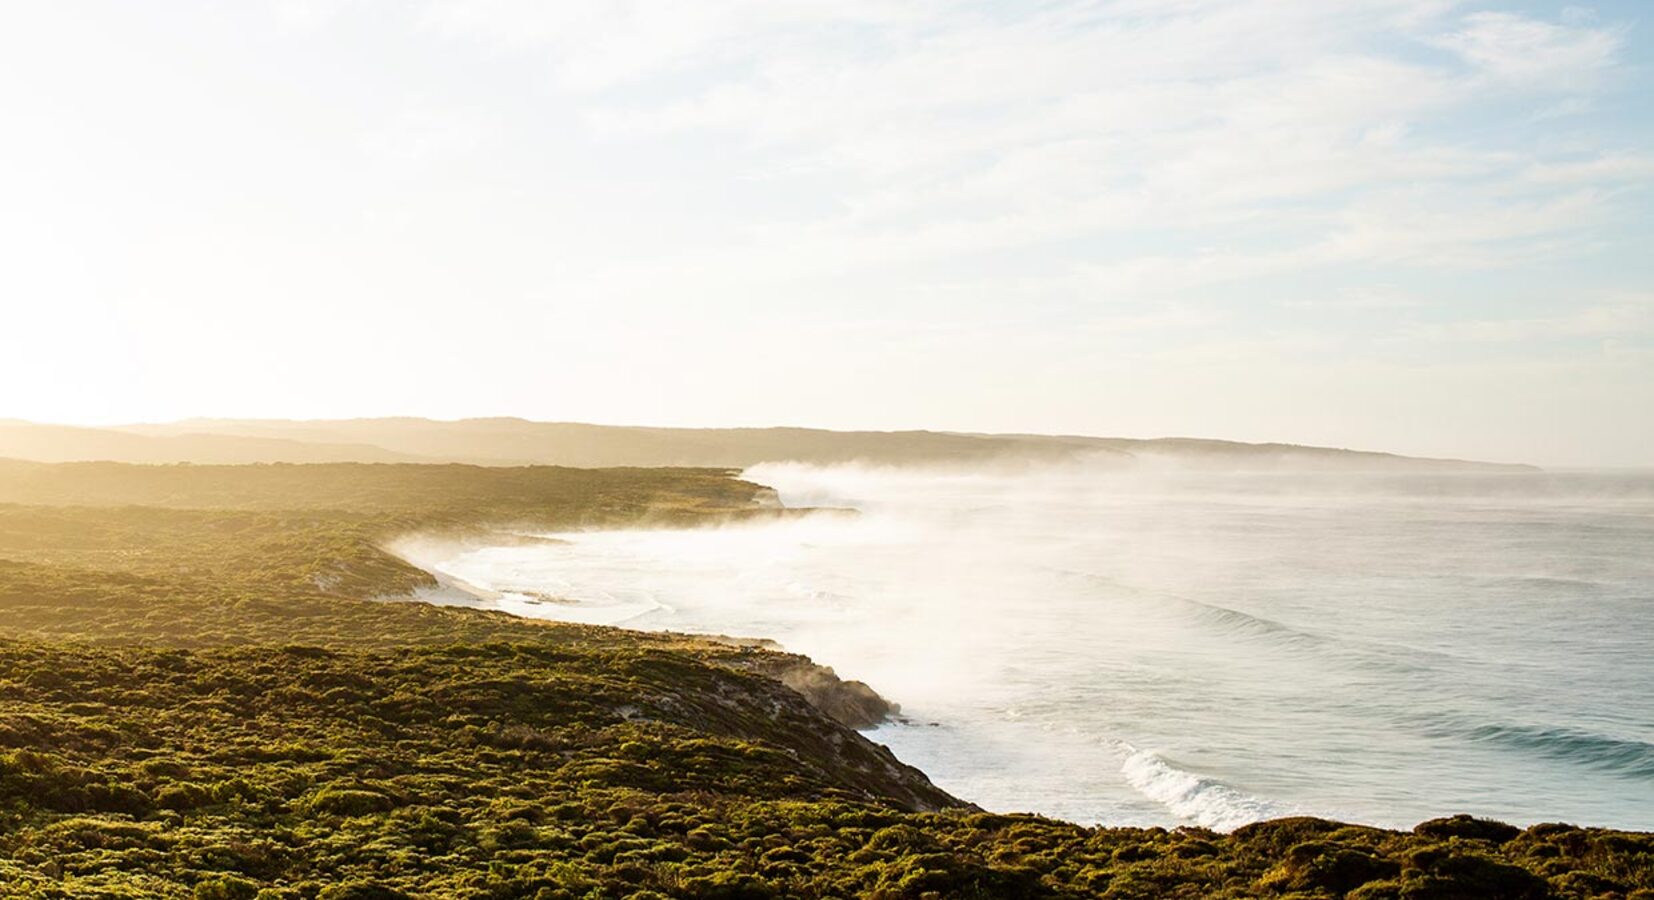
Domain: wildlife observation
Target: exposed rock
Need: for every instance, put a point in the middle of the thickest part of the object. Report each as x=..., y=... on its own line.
x=851, y=703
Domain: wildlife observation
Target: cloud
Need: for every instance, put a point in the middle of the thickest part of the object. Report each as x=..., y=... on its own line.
x=599, y=46
x=1618, y=321
x=954, y=129
x=1528, y=53
x=421, y=136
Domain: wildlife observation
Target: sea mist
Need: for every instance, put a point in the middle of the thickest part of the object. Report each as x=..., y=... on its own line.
x=1156, y=646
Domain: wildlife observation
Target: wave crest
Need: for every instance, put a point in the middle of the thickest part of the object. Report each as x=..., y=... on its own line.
x=1199, y=798
x=1631, y=758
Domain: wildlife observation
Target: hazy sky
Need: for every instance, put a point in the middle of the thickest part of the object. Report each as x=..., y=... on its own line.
x=1414, y=225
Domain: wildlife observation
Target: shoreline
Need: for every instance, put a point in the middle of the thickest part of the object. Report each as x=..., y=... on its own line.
x=859, y=707
x=1153, y=776
x=850, y=702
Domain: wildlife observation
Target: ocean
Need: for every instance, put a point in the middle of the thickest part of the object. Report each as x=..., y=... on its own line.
x=1175, y=647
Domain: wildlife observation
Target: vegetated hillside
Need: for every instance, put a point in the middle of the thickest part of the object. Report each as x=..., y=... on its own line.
x=198, y=702
x=1214, y=455
x=505, y=441
x=519, y=442
x=62, y=443
x=547, y=494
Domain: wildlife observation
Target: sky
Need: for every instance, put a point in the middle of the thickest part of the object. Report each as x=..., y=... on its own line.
x=1422, y=226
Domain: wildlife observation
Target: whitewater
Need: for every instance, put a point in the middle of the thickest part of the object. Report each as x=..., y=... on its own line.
x=1185, y=647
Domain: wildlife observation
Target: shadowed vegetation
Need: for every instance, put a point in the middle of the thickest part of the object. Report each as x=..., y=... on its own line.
x=200, y=698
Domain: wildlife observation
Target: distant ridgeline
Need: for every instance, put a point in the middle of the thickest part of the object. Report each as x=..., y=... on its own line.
x=201, y=697
x=517, y=442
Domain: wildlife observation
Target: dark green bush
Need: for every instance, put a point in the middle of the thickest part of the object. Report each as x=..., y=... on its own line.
x=344, y=801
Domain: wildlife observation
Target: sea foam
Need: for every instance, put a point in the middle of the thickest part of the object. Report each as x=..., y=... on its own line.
x=1200, y=799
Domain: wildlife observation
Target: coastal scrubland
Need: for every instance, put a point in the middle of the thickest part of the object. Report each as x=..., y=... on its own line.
x=207, y=690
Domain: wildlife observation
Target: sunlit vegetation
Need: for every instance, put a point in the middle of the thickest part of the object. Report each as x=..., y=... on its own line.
x=547, y=495
x=201, y=697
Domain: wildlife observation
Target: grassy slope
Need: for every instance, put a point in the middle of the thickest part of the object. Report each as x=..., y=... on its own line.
x=195, y=700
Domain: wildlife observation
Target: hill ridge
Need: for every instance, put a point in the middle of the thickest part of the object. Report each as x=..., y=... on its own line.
x=512, y=441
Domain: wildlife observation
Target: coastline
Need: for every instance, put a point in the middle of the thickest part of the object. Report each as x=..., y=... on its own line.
x=804, y=586
x=856, y=705
x=852, y=703
x=215, y=689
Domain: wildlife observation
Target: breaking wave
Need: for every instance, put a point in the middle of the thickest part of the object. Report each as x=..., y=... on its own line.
x=1201, y=799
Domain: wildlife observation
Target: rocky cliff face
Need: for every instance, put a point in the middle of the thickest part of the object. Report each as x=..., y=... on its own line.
x=851, y=703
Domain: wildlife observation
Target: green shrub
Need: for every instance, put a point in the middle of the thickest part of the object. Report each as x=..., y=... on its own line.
x=226, y=887
x=341, y=801
x=361, y=890
x=183, y=795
